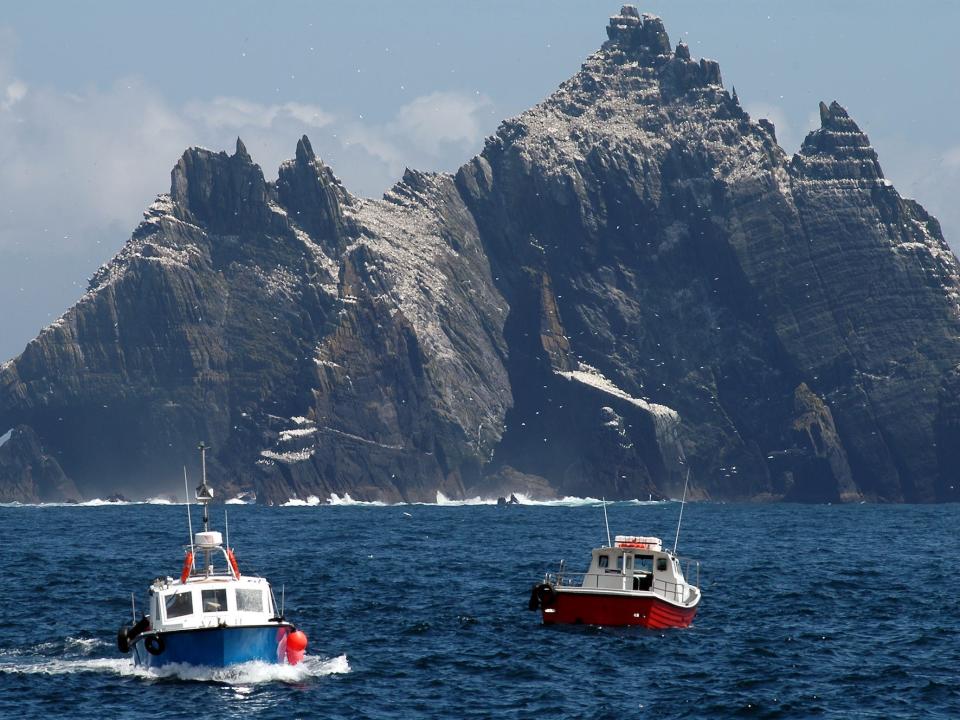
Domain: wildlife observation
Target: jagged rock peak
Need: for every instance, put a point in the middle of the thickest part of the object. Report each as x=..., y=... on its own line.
x=637, y=35
x=836, y=118
x=241, y=151
x=838, y=150
x=313, y=196
x=223, y=192
x=305, y=150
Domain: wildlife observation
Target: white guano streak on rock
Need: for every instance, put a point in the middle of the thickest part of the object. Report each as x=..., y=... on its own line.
x=666, y=420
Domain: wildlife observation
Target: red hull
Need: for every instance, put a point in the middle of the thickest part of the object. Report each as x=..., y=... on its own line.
x=579, y=608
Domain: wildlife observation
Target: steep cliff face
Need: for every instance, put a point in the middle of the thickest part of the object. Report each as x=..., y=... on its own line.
x=630, y=275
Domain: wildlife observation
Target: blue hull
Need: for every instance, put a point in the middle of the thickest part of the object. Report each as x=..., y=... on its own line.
x=213, y=647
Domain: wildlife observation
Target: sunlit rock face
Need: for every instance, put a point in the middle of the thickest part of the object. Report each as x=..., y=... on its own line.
x=631, y=282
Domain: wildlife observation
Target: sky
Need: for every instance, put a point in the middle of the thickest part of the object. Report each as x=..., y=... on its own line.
x=98, y=100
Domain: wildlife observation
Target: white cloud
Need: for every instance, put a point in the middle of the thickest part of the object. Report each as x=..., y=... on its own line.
x=951, y=158
x=775, y=114
x=14, y=93
x=237, y=114
x=433, y=120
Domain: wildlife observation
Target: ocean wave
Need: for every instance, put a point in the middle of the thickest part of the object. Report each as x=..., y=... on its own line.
x=252, y=673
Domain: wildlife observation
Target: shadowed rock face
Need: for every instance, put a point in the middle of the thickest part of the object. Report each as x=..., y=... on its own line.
x=629, y=274
x=30, y=474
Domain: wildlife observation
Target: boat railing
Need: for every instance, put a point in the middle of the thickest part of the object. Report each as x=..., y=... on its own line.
x=616, y=580
x=198, y=567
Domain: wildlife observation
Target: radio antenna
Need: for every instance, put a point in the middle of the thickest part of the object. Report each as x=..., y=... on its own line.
x=186, y=491
x=683, y=500
x=606, y=522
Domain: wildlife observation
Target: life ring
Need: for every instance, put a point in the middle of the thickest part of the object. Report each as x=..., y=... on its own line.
x=233, y=562
x=546, y=595
x=187, y=564
x=154, y=644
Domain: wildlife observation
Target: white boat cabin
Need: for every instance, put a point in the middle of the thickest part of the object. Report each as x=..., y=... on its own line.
x=638, y=564
x=212, y=596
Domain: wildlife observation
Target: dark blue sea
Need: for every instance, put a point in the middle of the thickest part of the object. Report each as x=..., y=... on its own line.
x=419, y=611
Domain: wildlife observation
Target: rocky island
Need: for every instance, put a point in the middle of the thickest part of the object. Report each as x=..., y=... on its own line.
x=631, y=279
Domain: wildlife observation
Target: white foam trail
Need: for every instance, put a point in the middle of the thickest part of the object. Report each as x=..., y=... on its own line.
x=252, y=673
x=84, y=646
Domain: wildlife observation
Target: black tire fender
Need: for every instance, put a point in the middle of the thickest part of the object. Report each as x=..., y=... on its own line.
x=546, y=595
x=123, y=641
x=154, y=644
x=534, y=598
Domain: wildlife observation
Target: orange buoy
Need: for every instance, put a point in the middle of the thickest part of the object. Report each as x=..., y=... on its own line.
x=297, y=640
x=187, y=564
x=296, y=646
x=233, y=562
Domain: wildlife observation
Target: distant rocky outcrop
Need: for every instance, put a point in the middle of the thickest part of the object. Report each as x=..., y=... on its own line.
x=631, y=279
x=30, y=474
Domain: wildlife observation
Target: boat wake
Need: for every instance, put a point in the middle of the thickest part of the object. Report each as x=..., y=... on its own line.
x=252, y=673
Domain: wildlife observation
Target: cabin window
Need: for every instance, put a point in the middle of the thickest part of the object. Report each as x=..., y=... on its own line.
x=249, y=600
x=626, y=562
x=661, y=564
x=642, y=564
x=214, y=600
x=603, y=561
x=178, y=604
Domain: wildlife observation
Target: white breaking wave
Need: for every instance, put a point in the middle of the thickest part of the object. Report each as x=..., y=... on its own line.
x=98, y=502
x=297, y=502
x=523, y=499
x=252, y=673
x=444, y=501
x=335, y=499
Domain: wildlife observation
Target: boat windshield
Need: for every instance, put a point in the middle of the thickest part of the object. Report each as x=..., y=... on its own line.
x=214, y=600
x=250, y=600
x=178, y=604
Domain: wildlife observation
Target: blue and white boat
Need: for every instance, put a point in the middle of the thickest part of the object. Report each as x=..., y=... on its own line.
x=211, y=616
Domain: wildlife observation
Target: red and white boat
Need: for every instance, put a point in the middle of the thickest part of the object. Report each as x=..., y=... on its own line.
x=635, y=582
